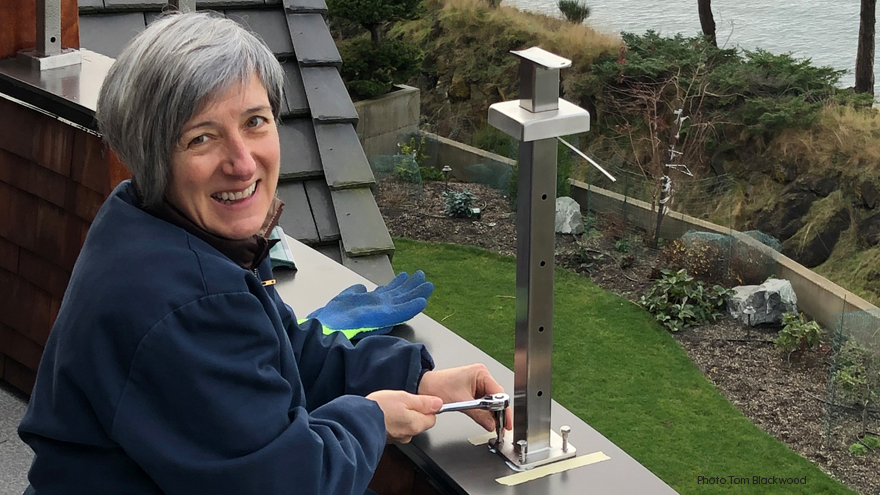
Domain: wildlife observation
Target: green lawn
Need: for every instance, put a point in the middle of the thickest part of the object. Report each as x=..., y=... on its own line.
x=616, y=369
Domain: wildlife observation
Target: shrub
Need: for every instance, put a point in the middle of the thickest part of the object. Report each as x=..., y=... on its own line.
x=704, y=261
x=858, y=449
x=416, y=149
x=406, y=170
x=459, y=204
x=872, y=443
x=574, y=10
x=622, y=246
x=678, y=301
x=858, y=376
x=370, y=70
x=798, y=334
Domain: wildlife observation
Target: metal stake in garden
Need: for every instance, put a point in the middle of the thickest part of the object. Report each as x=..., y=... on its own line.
x=536, y=120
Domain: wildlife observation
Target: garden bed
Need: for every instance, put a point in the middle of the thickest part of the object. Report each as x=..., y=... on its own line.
x=785, y=399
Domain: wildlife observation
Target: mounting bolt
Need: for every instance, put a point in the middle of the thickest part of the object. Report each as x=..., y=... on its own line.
x=523, y=450
x=565, y=431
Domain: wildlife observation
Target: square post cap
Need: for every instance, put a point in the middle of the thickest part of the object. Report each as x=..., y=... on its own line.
x=542, y=58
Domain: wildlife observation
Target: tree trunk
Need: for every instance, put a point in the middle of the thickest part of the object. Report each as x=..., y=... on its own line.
x=707, y=21
x=375, y=32
x=865, y=55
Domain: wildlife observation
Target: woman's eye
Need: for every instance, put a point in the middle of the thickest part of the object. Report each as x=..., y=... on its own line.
x=256, y=121
x=198, y=140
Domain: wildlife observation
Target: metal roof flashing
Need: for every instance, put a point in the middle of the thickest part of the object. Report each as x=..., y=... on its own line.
x=68, y=92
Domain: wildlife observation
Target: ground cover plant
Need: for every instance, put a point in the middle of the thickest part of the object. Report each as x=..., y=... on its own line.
x=617, y=369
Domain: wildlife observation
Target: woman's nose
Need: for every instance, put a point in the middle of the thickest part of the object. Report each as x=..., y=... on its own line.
x=240, y=162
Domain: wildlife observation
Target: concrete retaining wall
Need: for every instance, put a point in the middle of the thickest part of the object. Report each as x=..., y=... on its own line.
x=818, y=297
x=460, y=157
x=387, y=120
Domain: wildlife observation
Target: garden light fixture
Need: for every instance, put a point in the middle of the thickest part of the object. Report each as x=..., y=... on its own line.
x=446, y=170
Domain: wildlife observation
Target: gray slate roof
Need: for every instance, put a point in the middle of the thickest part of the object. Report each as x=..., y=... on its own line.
x=325, y=176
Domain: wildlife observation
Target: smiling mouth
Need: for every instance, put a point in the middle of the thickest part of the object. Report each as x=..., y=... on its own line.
x=229, y=197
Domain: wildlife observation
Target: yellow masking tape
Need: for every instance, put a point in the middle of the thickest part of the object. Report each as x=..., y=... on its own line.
x=556, y=467
x=481, y=439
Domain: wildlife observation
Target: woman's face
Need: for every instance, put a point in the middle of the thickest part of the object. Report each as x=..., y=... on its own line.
x=225, y=167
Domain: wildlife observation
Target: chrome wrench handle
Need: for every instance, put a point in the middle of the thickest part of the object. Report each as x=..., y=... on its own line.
x=490, y=402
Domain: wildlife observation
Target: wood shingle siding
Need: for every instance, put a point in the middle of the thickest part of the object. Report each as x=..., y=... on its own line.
x=53, y=180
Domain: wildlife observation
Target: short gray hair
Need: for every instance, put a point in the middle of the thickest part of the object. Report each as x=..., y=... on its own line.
x=167, y=74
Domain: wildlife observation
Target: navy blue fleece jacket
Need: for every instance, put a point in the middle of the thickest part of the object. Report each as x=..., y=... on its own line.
x=170, y=369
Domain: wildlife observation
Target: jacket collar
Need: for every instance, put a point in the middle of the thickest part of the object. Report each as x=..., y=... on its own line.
x=246, y=253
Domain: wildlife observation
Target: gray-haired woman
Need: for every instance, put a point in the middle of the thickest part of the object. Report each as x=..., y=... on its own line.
x=171, y=367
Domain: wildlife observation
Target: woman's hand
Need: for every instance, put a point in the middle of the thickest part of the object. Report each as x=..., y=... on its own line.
x=465, y=383
x=406, y=415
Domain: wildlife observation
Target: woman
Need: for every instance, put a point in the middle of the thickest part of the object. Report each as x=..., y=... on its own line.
x=171, y=367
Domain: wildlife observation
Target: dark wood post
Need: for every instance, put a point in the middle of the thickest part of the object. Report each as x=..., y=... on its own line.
x=865, y=55
x=707, y=20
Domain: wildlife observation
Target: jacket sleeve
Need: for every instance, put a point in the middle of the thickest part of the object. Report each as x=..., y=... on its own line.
x=331, y=366
x=210, y=407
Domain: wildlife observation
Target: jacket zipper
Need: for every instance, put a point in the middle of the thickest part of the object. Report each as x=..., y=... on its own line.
x=271, y=281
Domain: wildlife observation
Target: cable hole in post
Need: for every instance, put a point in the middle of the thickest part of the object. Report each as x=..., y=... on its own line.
x=540, y=329
x=52, y=39
x=543, y=263
x=543, y=196
x=540, y=393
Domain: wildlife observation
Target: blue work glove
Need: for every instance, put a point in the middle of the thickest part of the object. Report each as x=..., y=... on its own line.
x=358, y=313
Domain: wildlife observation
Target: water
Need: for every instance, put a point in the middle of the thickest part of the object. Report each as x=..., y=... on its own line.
x=825, y=31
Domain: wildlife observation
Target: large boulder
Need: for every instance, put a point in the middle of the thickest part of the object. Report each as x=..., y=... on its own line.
x=568, y=216
x=786, y=216
x=868, y=193
x=815, y=241
x=869, y=229
x=770, y=301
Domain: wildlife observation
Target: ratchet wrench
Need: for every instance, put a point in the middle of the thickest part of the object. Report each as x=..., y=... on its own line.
x=497, y=403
